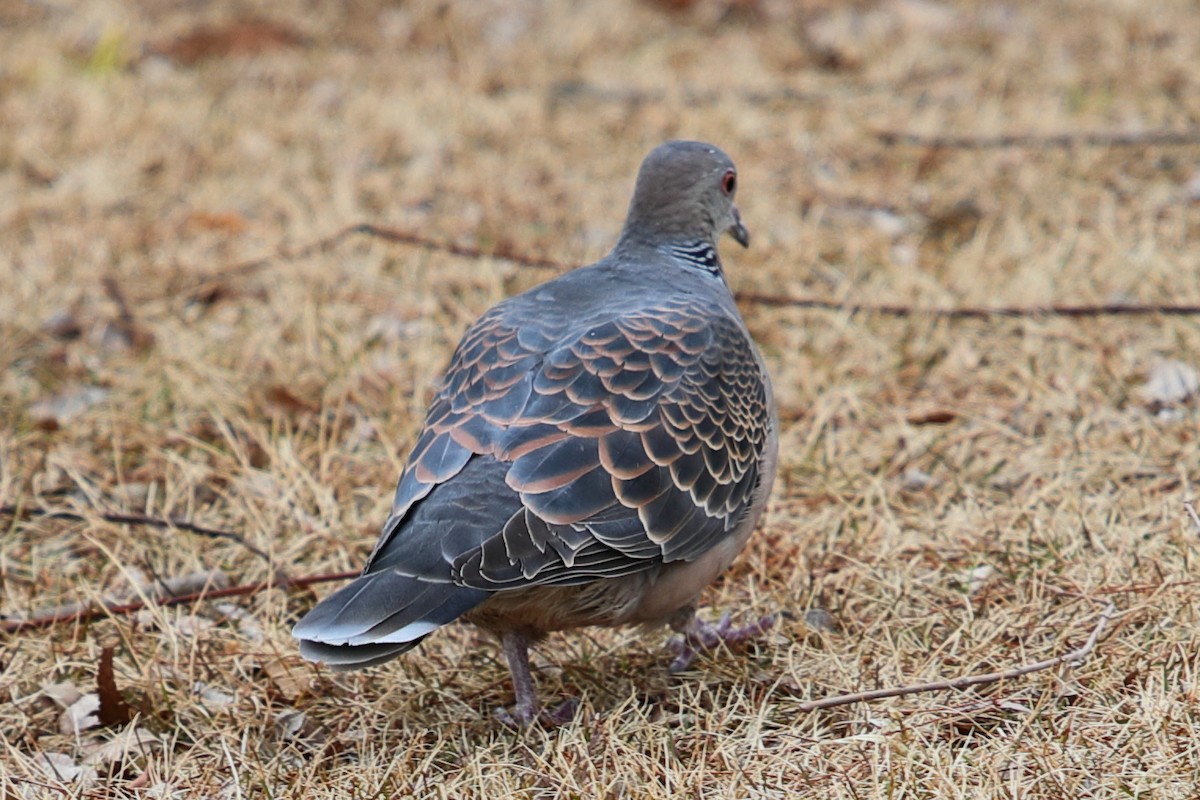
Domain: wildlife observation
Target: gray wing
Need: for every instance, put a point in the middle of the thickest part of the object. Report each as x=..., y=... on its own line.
x=552, y=457
x=626, y=444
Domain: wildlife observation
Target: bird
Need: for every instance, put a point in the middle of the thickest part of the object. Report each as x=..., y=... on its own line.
x=598, y=451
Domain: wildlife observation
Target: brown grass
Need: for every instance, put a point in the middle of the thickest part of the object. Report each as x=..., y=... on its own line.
x=280, y=403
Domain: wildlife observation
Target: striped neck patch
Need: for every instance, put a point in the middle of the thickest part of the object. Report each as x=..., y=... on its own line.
x=696, y=254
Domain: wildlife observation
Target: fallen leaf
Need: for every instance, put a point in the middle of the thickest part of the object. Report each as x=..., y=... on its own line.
x=244, y=38
x=978, y=577
x=289, y=722
x=212, y=696
x=192, y=626
x=294, y=725
x=62, y=324
x=955, y=224
x=130, y=740
x=292, y=680
x=916, y=480
x=284, y=398
x=818, y=619
x=1170, y=382
x=61, y=766
x=224, y=221
x=51, y=413
x=64, y=694
x=80, y=715
x=247, y=624
x=113, y=708
x=937, y=417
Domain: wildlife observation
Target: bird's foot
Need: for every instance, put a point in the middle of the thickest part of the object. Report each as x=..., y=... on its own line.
x=700, y=636
x=522, y=717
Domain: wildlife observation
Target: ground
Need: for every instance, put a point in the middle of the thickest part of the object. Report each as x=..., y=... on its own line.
x=956, y=495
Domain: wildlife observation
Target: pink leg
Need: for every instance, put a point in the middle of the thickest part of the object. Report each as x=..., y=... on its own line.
x=516, y=653
x=700, y=636
x=527, y=707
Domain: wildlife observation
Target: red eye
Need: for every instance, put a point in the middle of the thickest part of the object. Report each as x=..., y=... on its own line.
x=729, y=182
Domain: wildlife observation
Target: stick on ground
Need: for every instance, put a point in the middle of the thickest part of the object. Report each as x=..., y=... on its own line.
x=124, y=609
x=1075, y=658
x=771, y=300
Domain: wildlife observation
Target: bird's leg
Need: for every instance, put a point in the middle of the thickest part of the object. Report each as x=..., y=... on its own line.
x=516, y=652
x=699, y=636
x=527, y=708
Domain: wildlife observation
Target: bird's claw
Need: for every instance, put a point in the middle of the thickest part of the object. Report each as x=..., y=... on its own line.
x=702, y=636
x=518, y=718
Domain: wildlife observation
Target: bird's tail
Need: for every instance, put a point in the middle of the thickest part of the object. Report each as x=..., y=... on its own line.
x=379, y=616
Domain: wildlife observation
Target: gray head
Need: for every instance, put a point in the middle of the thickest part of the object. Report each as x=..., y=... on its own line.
x=684, y=192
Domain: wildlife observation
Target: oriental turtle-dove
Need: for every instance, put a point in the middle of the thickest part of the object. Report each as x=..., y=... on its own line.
x=598, y=452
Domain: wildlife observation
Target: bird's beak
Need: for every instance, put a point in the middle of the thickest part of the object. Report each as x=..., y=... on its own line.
x=738, y=231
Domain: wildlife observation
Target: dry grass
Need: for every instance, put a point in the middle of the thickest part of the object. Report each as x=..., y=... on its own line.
x=280, y=403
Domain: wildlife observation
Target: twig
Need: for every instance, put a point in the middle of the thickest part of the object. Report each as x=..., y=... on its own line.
x=1030, y=140
x=1191, y=510
x=1075, y=658
x=170, y=523
x=569, y=92
x=156, y=591
x=972, y=312
x=124, y=609
x=378, y=232
x=770, y=300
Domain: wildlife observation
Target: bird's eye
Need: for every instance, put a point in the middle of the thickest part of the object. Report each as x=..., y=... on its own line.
x=729, y=182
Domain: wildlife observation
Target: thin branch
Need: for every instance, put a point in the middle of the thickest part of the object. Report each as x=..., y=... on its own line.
x=169, y=523
x=1153, y=138
x=972, y=312
x=1074, y=658
x=328, y=243
x=771, y=300
x=125, y=609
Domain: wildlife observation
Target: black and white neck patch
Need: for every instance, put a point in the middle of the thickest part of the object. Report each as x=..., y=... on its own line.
x=696, y=254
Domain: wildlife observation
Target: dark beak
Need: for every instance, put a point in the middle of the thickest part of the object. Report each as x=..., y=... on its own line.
x=738, y=231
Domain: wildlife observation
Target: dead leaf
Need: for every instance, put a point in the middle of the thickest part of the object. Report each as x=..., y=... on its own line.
x=61, y=766
x=936, y=417
x=51, y=413
x=955, y=224
x=64, y=694
x=212, y=292
x=113, y=708
x=292, y=680
x=247, y=624
x=916, y=480
x=63, y=324
x=130, y=740
x=289, y=722
x=244, y=38
x=80, y=715
x=192, y=626
x=224, y=221
x=1170, y=382
x=293, y=725
x=212, y=696
x=978, y=578
x=281, y=396
x=818, y=619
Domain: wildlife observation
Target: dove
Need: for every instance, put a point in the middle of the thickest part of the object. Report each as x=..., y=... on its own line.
x=598, y=451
